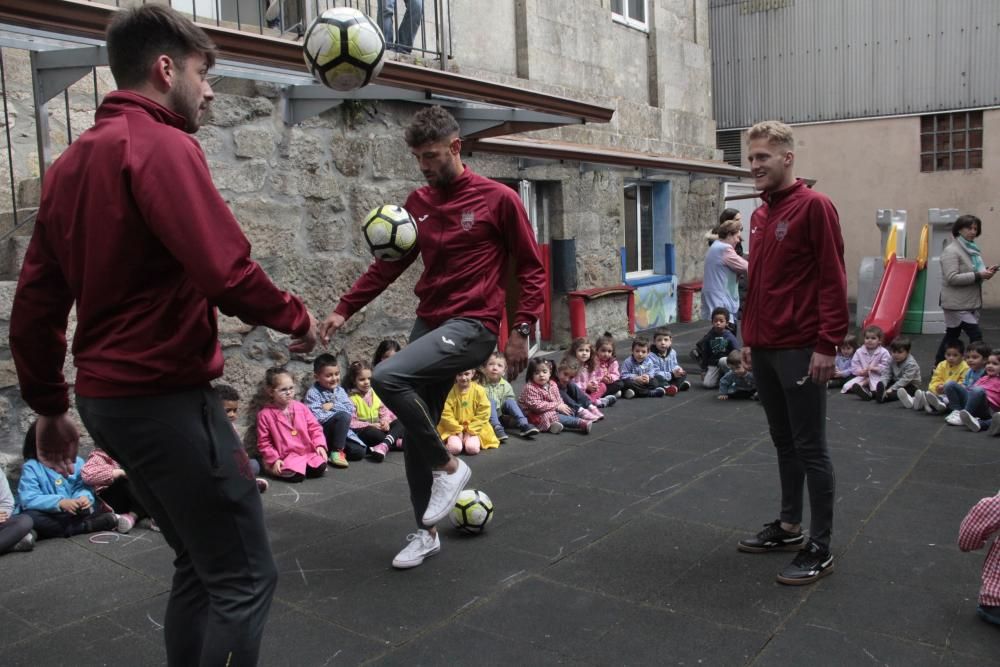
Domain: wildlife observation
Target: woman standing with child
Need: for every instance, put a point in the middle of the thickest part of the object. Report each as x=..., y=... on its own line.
x=723, y=267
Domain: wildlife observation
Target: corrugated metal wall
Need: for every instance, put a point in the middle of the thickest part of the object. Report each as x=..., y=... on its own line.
x=820, y=60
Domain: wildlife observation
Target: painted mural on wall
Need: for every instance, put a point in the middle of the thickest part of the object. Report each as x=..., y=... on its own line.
x=656, y=304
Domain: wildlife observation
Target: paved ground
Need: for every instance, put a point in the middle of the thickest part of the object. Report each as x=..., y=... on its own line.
x=618, y=548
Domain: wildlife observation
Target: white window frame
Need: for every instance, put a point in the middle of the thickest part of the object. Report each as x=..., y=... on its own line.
x=641, y=272
x=628, y=20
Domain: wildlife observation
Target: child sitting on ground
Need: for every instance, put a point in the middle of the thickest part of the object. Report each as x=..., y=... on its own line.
x=384, y=350
x=565, y=375
x=231, y=405
x=979, y=526
x=952, y=369
x=714, y=348
x=607, y=371
x=842, y=362
x=638, y=373
x=289, y=438
x=110, y=483
x=904, y=374
x=504, y=411
x=465, y=418
x=375, y=424
x=665, y=358
x=541, y=403
x=586, y=379
x=982, y=400
x=15, y=529
x=738, y=382
x=59, y=506
x=956, y=393
x=332, y=408
x=870, y=366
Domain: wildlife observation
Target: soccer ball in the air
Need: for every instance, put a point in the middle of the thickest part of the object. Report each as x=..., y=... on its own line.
x=344, y=49
x=390, y=231
x=472, y=511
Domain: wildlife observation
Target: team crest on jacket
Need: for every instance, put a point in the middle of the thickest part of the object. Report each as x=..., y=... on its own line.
x=781, y=230
x=468, y=219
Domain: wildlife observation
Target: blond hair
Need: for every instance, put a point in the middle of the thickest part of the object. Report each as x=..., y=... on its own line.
x=774, y=131
x=728, y=228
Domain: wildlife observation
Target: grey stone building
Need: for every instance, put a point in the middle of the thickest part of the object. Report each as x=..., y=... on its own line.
x=599, y=112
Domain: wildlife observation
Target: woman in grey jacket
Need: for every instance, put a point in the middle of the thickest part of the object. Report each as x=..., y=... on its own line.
x=962, y=274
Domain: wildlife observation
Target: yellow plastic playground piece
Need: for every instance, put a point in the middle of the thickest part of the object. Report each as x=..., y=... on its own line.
x=925, y=241
x=890, y=246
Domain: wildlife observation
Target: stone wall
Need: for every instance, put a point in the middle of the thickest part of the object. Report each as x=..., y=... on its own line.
x=300, y=192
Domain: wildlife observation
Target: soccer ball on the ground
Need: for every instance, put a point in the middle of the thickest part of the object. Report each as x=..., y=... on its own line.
x=472, y=511
x=391, y=232
x=344, y=49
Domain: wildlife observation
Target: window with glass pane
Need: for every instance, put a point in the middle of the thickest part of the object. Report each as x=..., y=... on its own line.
x=632, y=12
x=951, y=141
x=638, y=228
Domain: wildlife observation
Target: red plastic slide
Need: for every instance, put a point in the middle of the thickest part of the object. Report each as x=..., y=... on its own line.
x=893, y=296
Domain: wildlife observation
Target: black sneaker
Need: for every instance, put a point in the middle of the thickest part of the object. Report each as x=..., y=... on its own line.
x=860, y=391
x=772, y=538
x=684, y=385
x=879, y=393
x=812, y=563
x=100, y=523
x=527, y=431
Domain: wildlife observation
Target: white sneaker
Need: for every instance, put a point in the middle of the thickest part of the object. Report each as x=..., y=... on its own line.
x=125, y=522
x=444, y=492
x=905, y=399
x=555, y=427
x=918, y=400
x=421, y=545
x=969, y=421
x=953, y=418
x=934, y=402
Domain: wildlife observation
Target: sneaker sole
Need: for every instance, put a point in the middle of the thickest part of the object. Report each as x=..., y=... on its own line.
x=431, y=520
x=805, y=580
x=401, y=565
x=747, y=549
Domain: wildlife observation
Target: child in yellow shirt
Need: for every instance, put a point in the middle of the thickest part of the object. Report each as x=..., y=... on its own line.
x=953, y=368
x=465, y=420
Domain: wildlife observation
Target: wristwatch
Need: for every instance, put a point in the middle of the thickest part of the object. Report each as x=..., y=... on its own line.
x=522, y=328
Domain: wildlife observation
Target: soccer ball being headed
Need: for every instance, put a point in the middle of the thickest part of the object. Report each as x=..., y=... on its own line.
x=391, y=232
x=344, y=49
x=472, y=511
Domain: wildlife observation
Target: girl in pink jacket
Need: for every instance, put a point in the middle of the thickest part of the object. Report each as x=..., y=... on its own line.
x=606, y=370
x=542, y=404
x=290, y=440
x=870, y=366
x=111, y=486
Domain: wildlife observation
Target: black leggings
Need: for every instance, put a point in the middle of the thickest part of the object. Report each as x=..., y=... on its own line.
x=121, y=498
x=373, y=435
x=296, y=477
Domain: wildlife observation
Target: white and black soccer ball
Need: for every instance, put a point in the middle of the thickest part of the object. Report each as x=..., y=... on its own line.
x=344, y=49
x=472, y=511
x=391, y=232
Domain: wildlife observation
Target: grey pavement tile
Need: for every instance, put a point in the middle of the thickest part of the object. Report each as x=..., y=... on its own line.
x=293, y=639
x=142, y=618
x=736, y=589
x=17, y=630
x=397, y=605
x=353, y=509
x=552, y=519
x=64, y=557
x=115, y=545
x=969, y=467
x=853, y=603
x=455, y=645
x=642, y=559
x=923, y=513
x=93, y=591
x=548, y=615
x=940, y=567
x=157, y=564
x=808, y=643
x=971, y=636
x=94, y=642
x=867, y=463
x=293, y=527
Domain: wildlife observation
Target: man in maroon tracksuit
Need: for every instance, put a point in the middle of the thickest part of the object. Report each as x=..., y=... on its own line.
x=132, y=231
x=468, y=227
x=795, y=316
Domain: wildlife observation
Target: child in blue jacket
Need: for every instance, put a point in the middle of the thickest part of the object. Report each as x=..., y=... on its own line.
x=59, y=506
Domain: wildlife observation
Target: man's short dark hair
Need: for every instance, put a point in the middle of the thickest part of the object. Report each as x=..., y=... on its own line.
x=323, y=361
x=226, y=393
x=137, y=37
x=430, y=125
x=900, y=345
x=964, y=222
